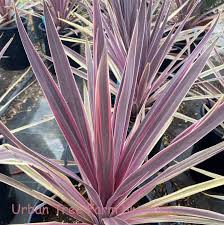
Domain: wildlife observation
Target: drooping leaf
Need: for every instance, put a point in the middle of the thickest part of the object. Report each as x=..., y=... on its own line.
x=170, y=173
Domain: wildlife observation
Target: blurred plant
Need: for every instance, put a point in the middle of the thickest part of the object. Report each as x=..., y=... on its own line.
x=7, y=15
x=158, y=59
x=211, y=4
x=4, y=101
x=112, y=164
x=201, y=15
x=61, y=9
x=6, y=11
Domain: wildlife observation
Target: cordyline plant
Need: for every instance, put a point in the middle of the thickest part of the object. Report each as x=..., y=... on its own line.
x=6, y=11
x=200, y=15
x=112, y=164
x=61, y=9
x=209, y=86
x=210, y=4
x=158, y=39
x=7, y=15
x=157, y=42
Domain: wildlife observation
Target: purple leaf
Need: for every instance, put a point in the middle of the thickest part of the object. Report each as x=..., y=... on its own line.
x=103, y=132
x=59, y=107
x=150, y=129
x=170, y=173
x=102, y=115
x=69, y=87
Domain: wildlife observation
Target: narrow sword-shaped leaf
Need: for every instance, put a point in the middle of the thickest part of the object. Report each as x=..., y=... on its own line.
x=90, y=81
x=124, y=100
x=179, y=92
x=138, y=138
x=69, y=89
x=58, y=184
x=114, y=221
x=185, y=192
x=98, y=36
x=2, y=52
x=58, y=105
x=103, y=140
x=16, y=184
x=50, y=163
x=173, y=210
x=120, y=23
x=207, y=124
x=170, y=173
x=103, y=132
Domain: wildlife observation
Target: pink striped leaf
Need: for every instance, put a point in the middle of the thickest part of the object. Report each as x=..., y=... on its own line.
x=208, y=123
x=198, y=214
x=57, y=181
x=90, y=75
x=174, y=210
x=124, y=99
x=69, y=87
x=102, y=112
x=50, y=163
x=176, y=91
x=114, y=221
x=144, y=138
x=170, y=173
x=59, y=106
x=103, y=132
